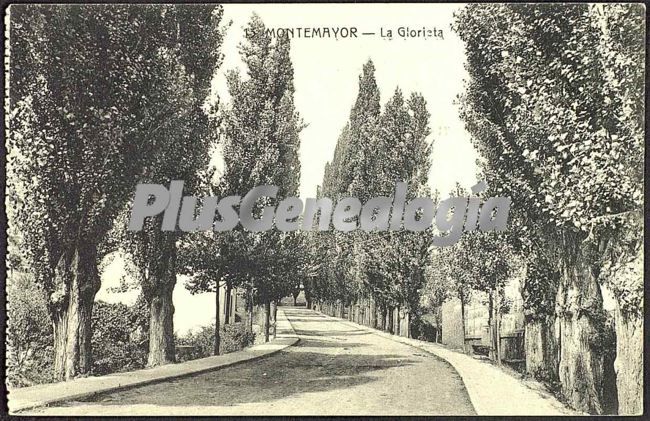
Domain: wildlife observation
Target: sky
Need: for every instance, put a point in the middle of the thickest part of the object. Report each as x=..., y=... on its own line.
x=326, y=75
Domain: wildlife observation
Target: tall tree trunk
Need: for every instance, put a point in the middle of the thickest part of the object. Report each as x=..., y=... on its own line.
x=629, y=362
x=462, y=320
x=274, y=315
x=438, y=313
x=362, y=316
x=228, y=306
x=369, y=312
x=267, y=319
x=407, y=324
x=386, y=313
x=492, y=327
x=497, y=326
x=249, y=309
x=366, y=312
x=308, y=297
x=357, y=312
x=161, y=326
x=217, y=322
x=580, y=367
x=77, y=278
x=159, y=294
x=397, y=321
x=541, y=348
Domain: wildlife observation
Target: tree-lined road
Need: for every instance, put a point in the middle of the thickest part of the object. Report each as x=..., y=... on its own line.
x=335, y=369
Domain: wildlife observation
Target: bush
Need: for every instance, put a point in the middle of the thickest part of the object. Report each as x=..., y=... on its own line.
x=201, y=341
x=30, y=352
x=424, y=330
x=119, y=342
x=234, y=337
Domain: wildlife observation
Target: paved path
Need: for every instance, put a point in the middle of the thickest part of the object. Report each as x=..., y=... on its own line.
x=335, y=369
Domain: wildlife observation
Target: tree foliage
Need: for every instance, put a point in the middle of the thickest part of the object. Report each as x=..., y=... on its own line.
x=554, y=104
x=556, y=107
x=375, y=150
x=260, y=147
x=29, y=333
x=99, y=98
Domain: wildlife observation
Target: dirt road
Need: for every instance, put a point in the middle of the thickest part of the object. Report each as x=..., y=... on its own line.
x=335, y=369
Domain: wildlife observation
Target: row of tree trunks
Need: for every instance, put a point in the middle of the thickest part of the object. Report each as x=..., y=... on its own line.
x=249, y=309
x=274, y=317
x=217, y=322
x=331, y=309
x=267, y=320
x=77, y=274
x=366, y=312
x=228, y=306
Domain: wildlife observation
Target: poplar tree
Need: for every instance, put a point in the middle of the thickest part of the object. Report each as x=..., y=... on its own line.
x=555, y=106
x=349, y=176
x=261, y=142
x=376, y=272
x=92, y=91
x=193, y=39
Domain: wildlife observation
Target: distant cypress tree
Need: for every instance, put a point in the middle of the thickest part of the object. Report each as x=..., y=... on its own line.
x=356, y=160
x=374, y=151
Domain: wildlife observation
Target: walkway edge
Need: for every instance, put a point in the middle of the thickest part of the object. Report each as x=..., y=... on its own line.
x=484, y=399
x=27, y=398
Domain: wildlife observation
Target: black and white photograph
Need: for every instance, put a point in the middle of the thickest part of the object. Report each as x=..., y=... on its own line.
x=317, y=209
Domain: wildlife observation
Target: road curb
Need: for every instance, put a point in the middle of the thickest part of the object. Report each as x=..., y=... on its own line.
x=395, y=338
x=482, y=402
x=20, y=399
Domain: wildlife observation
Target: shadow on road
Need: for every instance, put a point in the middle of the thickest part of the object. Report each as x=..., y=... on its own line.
x=316, y=364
